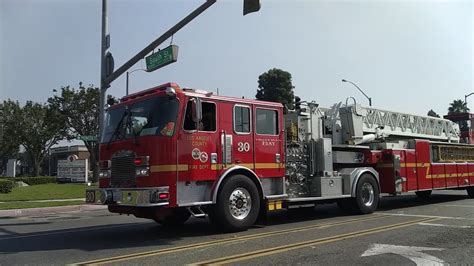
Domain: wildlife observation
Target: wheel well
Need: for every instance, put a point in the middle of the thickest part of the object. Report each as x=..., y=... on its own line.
x=238, y=170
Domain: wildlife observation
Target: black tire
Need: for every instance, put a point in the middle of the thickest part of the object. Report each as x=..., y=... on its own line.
x=177, y=217
x=470, y=192
x=364, y=206
x=423, y=194
x=242, y=193
x=367, y=197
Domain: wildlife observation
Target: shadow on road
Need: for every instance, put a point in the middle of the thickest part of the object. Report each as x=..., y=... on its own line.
x=143, y=233
x=399, y=202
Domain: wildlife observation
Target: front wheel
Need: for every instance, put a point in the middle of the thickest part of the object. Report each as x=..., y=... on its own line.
x=238, y=204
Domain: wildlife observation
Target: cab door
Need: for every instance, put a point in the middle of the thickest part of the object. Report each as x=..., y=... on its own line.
x=243, y=148
x=198, y=141
x=268, y=142
x=236, y=136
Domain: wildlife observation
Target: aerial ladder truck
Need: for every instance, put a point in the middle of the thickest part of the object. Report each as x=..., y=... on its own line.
x=168, y=153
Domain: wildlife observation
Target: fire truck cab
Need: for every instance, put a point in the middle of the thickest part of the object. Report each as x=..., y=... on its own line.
x=167, y=153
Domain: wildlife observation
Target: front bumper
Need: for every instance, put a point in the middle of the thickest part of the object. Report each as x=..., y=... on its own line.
x=139, y=197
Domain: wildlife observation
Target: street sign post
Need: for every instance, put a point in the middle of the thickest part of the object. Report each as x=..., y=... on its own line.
x=162, y=58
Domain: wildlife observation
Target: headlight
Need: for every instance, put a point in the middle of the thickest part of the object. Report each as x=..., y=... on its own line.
x=142, y=171
x=104, y=173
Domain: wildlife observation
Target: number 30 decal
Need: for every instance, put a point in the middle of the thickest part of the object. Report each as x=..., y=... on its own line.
x=243, y=146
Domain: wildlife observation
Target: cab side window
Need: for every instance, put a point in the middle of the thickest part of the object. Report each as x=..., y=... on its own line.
x=266, y=122
x=208, y=122
x=241, y=119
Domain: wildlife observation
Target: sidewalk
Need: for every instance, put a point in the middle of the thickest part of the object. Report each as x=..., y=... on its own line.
x=51, y=210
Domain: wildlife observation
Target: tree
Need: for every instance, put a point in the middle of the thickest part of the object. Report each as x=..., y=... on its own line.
x=39, y=127
x=10, y=141
x=432, y=113
x=458, y=107
x=275, y=86
x=80, y=111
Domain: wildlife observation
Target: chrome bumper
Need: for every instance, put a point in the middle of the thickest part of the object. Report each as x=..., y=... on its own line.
x=139, y=197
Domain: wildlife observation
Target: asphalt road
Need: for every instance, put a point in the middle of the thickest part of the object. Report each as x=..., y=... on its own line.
x=404, y=231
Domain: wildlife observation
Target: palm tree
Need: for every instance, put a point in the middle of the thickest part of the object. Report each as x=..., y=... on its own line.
x=458, y=107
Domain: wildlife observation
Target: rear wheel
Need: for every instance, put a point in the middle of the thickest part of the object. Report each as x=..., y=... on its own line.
x=177, y=217
x=367, y=194
x=423, y=194
x=238, y=204
x=367, y=197
x=470, y=192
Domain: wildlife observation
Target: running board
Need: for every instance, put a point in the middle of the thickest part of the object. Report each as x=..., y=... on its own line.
x=196, y=211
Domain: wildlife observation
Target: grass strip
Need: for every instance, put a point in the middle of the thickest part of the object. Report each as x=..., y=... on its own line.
x=45, y=192
x=26, y=204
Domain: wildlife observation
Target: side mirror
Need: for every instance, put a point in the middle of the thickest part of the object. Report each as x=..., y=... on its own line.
x=197, y=110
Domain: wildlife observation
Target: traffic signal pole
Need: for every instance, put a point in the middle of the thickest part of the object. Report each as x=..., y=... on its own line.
x=105, y=81
x=108, y=76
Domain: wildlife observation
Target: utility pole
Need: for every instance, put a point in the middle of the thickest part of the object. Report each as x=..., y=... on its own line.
x=128, y=79
x=465, y=97
x=105, y=42
x=355, y=85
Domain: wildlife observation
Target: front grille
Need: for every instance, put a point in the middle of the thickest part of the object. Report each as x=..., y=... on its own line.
x=123, y=171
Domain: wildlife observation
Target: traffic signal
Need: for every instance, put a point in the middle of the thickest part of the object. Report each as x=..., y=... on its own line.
x=251, y=6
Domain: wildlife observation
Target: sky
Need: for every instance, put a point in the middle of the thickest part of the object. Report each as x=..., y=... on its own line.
x=408, y=56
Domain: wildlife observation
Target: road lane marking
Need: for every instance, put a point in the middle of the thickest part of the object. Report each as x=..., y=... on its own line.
x=298, y=245
x=414, y=254
x=446, y=225
x=68, y=231
x=224, y=241
x=426, y=216
x=457, y=205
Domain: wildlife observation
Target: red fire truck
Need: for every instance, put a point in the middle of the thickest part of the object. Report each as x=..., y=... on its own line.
x=168, y=153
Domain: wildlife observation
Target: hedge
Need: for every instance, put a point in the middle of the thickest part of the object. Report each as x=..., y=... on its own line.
x=6, y=186
x=37, y=180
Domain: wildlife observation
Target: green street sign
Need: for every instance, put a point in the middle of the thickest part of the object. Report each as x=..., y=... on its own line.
x=88, y=138
x=162, y=58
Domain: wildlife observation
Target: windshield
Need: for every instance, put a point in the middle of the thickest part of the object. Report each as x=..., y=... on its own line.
x=156, y=116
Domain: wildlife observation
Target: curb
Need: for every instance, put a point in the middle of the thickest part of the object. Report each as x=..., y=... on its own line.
x=50, y=210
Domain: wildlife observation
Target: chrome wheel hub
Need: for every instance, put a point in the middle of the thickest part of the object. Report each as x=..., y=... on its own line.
x=368, y=194
x=240, y=203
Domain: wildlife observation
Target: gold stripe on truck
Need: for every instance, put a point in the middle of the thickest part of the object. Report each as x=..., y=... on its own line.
x=185, y=167
x=168, y=168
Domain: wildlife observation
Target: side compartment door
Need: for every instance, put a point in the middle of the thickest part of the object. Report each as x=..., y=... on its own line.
x=410, y=170
x=268, y=142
